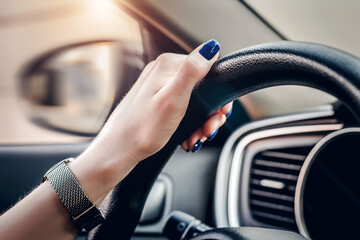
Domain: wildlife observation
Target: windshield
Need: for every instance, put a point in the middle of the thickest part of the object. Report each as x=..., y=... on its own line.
x=330, y=22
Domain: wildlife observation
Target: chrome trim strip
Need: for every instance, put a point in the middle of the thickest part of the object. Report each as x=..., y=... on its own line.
x=225, y=159
x=272, y=184
x=299, y=190
x=233, y=192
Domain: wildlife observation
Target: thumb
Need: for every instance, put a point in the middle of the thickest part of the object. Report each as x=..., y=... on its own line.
x=195, y=67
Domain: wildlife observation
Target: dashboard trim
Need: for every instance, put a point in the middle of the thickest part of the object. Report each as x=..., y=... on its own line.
x=233, y=192
x=221, y=209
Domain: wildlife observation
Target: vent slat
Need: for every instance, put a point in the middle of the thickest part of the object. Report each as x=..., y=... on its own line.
x=290, y=156
x=279, y=207
x=260, y=162
x=274, y=217
x=275, y=175
x=272, y=195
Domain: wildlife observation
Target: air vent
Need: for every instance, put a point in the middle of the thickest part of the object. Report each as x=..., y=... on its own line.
x=272, y=185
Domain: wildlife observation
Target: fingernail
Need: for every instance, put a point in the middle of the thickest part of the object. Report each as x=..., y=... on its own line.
x=197, y=146
x=210, y=49
x=188, y=150
x=229, y=113
x=213, y=134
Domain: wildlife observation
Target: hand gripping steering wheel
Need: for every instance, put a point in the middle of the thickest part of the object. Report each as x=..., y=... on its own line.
x=242, y=72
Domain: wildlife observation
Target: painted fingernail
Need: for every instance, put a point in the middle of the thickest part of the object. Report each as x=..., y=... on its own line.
x=188, y=150
x=213, y=134
x=210, y=49
x=229, y=113
x=197, y=145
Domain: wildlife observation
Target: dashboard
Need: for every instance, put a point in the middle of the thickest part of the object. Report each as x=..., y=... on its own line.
x=274, y=173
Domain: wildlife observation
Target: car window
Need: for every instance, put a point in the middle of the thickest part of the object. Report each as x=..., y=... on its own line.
x=329, y=22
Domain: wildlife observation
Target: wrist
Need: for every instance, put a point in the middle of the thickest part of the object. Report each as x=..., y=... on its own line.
x=99, y=171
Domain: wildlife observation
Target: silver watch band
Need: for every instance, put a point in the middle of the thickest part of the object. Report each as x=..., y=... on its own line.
x=84, y=213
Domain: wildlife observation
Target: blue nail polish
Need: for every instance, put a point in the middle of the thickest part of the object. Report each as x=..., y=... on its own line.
x=210, y=49
x=229, y=113
x=197, y=146
x=188, y=150
x=213, y=134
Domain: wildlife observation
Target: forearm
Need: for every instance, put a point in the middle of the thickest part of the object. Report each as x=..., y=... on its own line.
x=40, y=215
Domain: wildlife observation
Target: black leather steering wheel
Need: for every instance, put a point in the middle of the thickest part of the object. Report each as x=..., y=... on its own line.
x=245, y=71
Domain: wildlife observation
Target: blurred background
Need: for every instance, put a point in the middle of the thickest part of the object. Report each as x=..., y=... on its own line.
x=60, y=65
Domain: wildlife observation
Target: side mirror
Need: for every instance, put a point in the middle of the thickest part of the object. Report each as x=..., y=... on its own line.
x=74, y=89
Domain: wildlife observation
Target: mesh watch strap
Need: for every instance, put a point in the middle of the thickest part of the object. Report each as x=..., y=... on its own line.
x=84, y=213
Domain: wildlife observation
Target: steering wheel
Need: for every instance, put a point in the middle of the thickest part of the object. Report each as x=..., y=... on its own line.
x=245, y=71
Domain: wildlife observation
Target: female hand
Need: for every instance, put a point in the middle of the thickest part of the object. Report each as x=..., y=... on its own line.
x=146, y=118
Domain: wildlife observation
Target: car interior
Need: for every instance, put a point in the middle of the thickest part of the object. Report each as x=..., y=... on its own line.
x=284, y=165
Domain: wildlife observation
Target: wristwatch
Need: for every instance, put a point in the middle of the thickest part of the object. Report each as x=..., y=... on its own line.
x=84, y=213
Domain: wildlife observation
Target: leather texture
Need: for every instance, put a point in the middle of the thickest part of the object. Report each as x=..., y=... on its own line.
x=245, y=71
x=246, y=233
